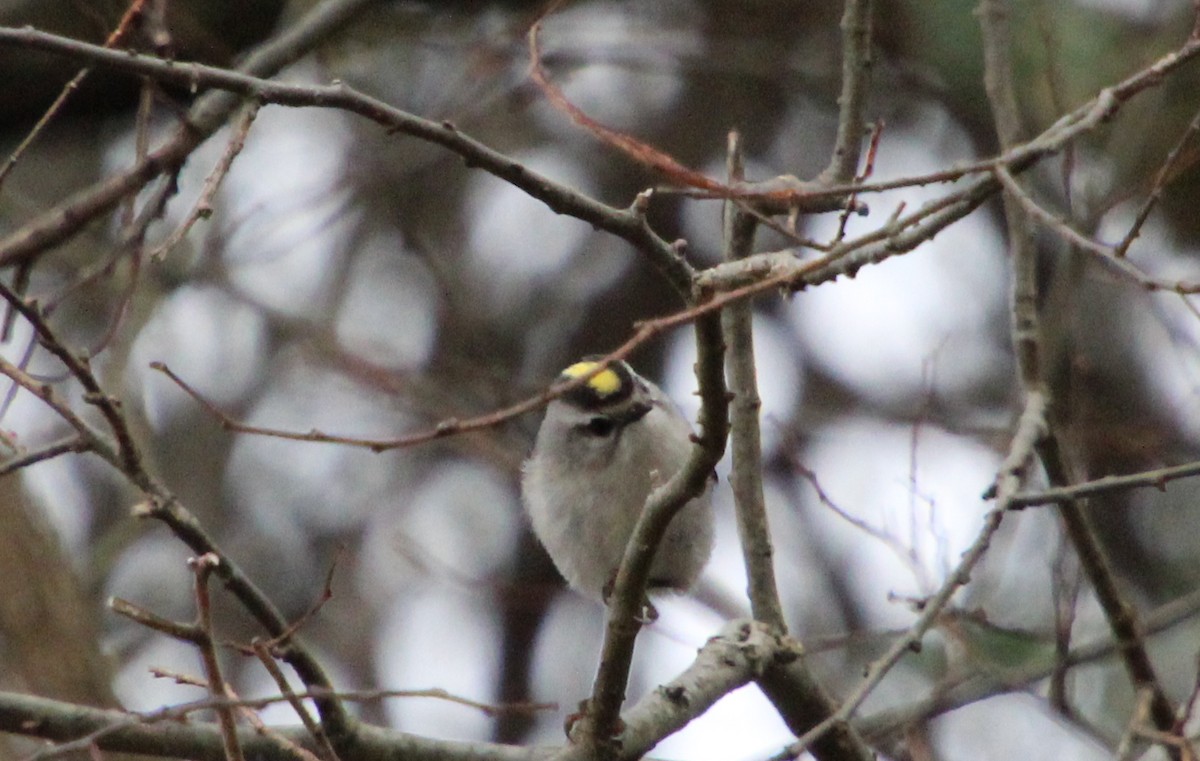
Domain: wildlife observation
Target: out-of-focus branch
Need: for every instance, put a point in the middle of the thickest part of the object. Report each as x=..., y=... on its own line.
x=211, y=111
x=1012, y=471
x=1156, y=479
x=161, y=733
x=1109, y=257
x=629, y=224
x=887, y=724
x=852, y=102
x=121, y=451
x=999, y=81
x=48, y=623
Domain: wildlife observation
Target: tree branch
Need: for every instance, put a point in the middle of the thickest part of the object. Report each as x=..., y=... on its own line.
x=999, y=81
x=162, y=734
x=1020, y=454
x=625, y=605
x=1157, y=479
x=881, y=726
x=59, y=224
x=856, y=79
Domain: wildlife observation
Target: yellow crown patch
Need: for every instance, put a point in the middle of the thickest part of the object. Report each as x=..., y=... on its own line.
x=604, y=383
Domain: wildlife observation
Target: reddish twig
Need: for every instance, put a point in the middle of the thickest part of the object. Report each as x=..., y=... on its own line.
x=449, y=426
x=788, y=193
x=644, y=154
x=868, y=170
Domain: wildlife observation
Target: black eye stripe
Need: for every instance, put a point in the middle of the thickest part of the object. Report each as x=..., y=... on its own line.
x=604, y=425
x=599, y=426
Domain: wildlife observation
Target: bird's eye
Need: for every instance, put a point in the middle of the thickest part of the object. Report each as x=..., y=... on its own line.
x=599, y=426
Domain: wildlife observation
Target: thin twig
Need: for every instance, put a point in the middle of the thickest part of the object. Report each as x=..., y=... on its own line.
x=325, y=596
x=1164, y=175
x=59, y=224
x=91, y=439
x=202, y=209
x=128, y=453
x=1122, y=616
x=298, y=752
x=447, y=427
x=202, y=567
x=490, y=710
x=151, y=620
x=1155, y=479
x=71, y=445
x=906, y=554
x=1066, y=583
x=114, y=39
x=263, y=651
x=1030, y=428
x=1106, y=255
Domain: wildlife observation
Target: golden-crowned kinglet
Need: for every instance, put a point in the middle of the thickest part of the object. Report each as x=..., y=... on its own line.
x=602, y=448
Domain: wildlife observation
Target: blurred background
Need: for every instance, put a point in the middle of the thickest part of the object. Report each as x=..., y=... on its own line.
x=369, y=284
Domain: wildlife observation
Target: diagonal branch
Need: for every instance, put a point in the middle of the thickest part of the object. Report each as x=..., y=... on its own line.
x=1030, y=428
x=889, y=723
x=124, y=455
x=212, y=110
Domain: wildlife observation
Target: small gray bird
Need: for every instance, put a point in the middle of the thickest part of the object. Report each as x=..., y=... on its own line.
x=601, y=449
